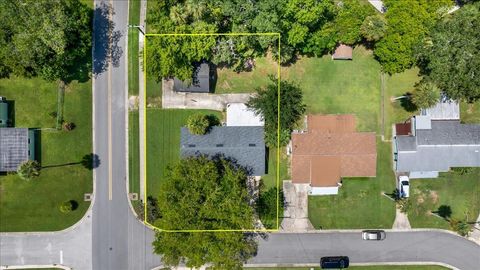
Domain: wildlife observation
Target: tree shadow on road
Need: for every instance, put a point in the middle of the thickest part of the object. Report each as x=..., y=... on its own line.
x=106, y=39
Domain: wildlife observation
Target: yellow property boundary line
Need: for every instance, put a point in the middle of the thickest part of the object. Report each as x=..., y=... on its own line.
x=145, y=133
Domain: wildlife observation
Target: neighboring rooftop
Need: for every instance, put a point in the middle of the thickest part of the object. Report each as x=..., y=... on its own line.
x=200, y=80
x=378, y=5
x=343, y=52
x=331, y=149
x=14, y=146
x=448, y=143
x=244, y=144
x=238, y=114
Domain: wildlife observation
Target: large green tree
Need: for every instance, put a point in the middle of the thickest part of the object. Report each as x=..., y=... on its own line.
x=408, y=24
x=451, y=56
x=205, y=194
x=265, y=103
x=50, y=39
x=374, y=27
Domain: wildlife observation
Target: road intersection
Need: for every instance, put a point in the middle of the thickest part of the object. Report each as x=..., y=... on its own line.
x=110, y=237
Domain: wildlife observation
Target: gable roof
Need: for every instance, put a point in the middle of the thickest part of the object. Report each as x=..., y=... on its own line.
x=245, y=144
x=330, y=149
x=13, y=148
x=343, y=52
x=200, y=80
x=448, y=143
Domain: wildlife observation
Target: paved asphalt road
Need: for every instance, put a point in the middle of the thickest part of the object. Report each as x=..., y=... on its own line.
x=433, y=246
x=119, y=239
x=121, y=242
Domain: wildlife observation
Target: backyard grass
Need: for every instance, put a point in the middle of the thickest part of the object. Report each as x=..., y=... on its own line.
x=460, y=192
x=359, y=203
x=133, y=64
x=377, y=267
x=336, y=87
x=229, y=81
x=34, y=205
x=470, y=113
x=163, y=142
x=395, y=86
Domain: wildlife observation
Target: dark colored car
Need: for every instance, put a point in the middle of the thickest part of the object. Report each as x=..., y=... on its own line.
x=337, y=262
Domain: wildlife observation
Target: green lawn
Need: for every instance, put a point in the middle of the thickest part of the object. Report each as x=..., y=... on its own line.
x=134, y=19
x=336, y=87
x=229, y=81
x=359, y=203
x=378, y=267
x=133, y=152
x=460, y=192
x=163, y=142
x=34, y=205
x=470, y=113
x=395, y=86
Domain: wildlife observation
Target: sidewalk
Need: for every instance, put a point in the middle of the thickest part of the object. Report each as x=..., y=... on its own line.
x=141, y=97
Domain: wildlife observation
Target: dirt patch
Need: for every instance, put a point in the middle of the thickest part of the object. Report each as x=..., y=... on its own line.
x=133, y=103
x=434, y=196
x=154, y=102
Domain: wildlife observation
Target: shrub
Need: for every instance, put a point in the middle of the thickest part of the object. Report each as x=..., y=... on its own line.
x=69, y=126
x=68, y=206
x=29, y=169
x=198, y=124
x=405, y=205
x=460, y=226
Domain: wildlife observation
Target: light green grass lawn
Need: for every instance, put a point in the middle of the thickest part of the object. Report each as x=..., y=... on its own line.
x=133, y=152
x=34, y=205
x=460, y=192
x=359, y=203
x=163, y=142
x=395, y=86
x=336, y=87
x=133, y=64
x=378, y=267
x=229, y=81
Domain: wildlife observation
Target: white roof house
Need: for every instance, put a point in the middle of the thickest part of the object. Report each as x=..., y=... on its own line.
x=238, y=114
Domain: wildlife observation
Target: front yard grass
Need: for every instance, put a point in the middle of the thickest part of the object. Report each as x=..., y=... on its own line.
x=359, y=203
x=163, y=142
x=459, y=192
x=34, y=205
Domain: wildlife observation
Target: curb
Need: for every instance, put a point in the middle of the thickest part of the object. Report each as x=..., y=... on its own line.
x=59, y=266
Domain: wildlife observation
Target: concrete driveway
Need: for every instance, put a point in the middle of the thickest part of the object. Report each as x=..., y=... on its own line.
x=218, y=102
x=296, y=208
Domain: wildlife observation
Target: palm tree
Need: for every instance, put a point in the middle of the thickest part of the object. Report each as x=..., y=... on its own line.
x=178, y=15
x=29, y=169
x=426, y=94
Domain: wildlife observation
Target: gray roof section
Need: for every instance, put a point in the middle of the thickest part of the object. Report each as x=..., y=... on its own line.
x=447, y=144
x=200, y=81
x=449, y=132
x=13, y=148
x=245, y=144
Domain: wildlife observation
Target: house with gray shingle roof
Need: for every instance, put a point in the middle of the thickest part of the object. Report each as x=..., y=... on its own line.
x=16, y=147
x=437, y=142
x=243, y=144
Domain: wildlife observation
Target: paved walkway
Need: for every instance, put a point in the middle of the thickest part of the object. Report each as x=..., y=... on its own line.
x=401, y=221
x=475, y=235
x=218, y=102
x=296, y=209
x=141, y=112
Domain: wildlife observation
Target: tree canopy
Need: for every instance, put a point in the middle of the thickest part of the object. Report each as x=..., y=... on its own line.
x=205, y=194
x=408, y=24
x=451, y=57
x=426, y=94
x=265, y=104
x=50, y=39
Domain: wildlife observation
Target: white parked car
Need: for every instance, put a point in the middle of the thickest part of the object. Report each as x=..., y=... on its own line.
x=403, y=186
x=373, y=235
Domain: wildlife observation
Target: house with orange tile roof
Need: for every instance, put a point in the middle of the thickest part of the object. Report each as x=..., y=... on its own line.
x=329, y=149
